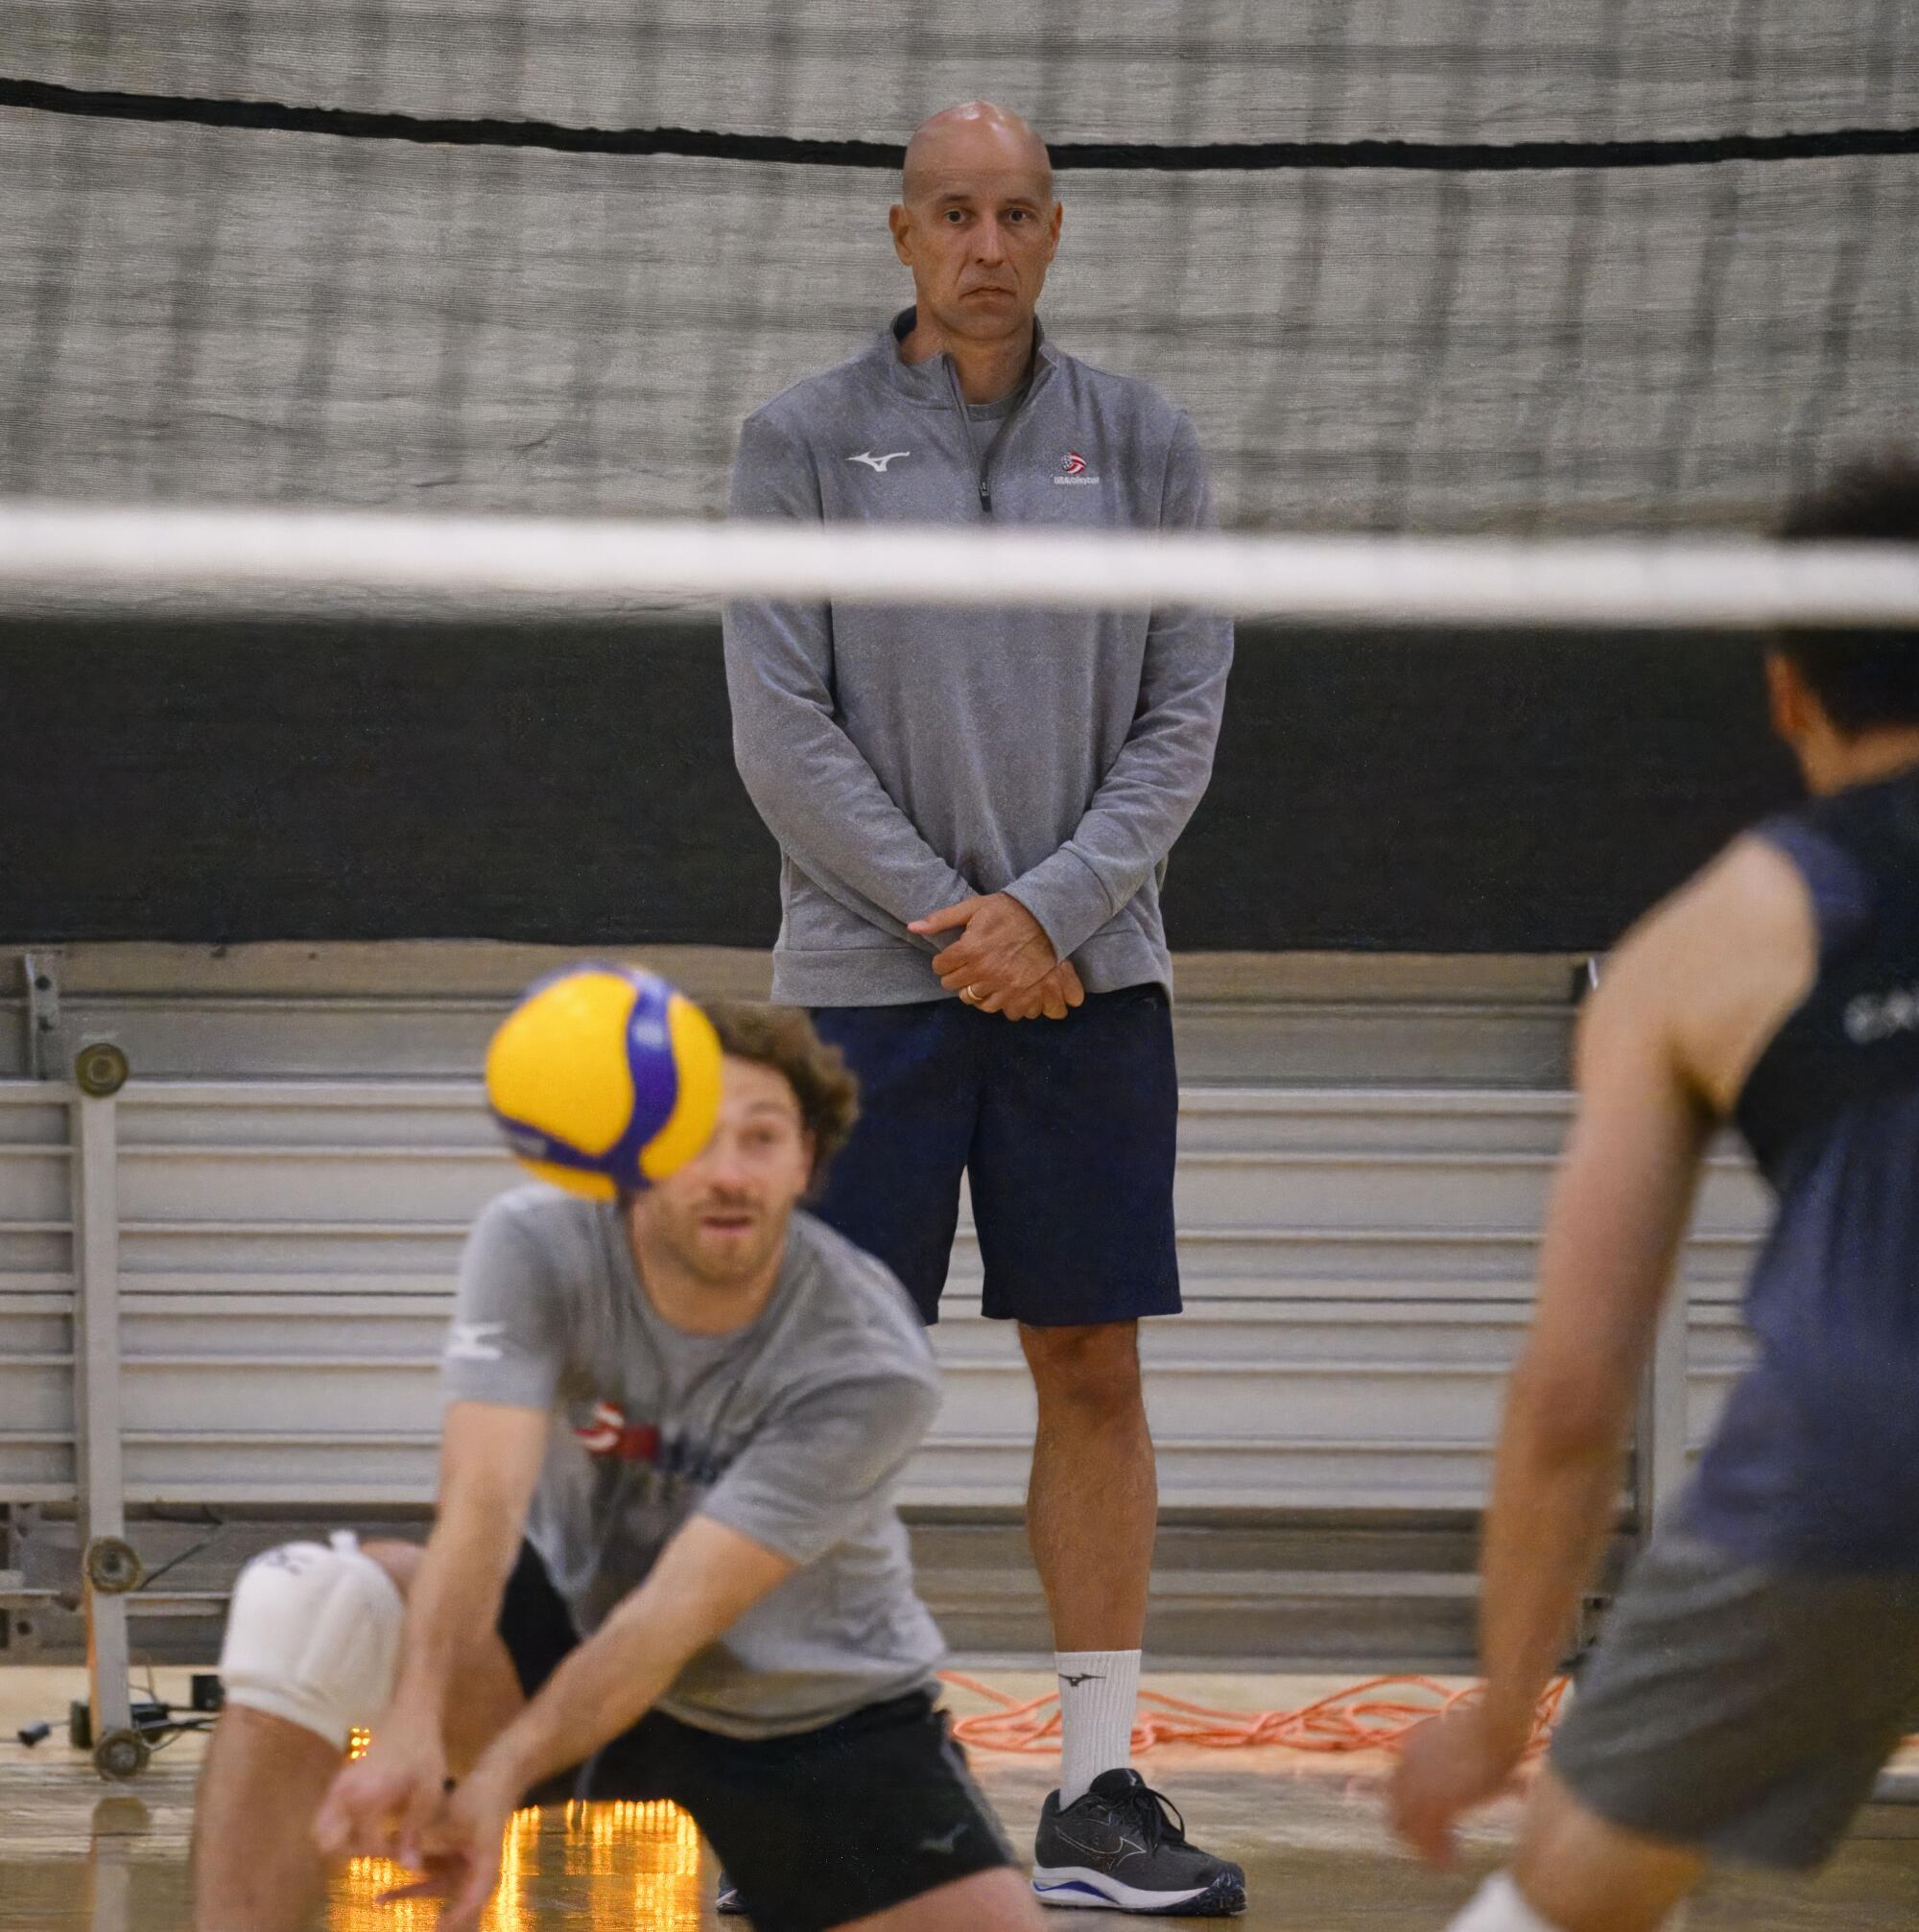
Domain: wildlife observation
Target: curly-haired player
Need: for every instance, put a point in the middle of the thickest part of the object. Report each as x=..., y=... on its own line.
x=665, y=1564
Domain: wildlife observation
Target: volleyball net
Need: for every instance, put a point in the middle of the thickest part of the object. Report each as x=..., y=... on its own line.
x=343, y=562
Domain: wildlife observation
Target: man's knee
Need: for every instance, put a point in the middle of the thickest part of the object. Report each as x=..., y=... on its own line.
x=1580, y=1872
x=400, y=1561
x=1093, y=1368
x=313, y=1636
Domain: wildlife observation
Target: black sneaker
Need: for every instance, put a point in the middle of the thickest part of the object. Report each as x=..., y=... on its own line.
x=1123, y=1848
x=727, y=1902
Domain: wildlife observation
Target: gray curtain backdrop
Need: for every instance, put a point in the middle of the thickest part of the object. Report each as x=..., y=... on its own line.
x=234, y=315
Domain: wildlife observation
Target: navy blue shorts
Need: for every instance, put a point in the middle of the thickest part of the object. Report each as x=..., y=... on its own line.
x=1064, y=1128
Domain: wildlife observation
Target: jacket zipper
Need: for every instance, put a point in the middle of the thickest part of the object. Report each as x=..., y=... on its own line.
x=986, y=461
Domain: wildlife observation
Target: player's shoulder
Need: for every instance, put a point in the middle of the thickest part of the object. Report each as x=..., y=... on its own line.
x=854, y=1307
x=1709, y=973
x=1752, y=894
x=540, y=1218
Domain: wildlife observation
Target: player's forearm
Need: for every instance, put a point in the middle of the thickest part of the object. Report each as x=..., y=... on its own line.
x=453, y=1601
x=705, y=1579
x=602, y=1688
x=1553, y=1501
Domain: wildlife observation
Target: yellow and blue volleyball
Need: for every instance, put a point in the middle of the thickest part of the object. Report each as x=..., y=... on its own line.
x=605, y=1079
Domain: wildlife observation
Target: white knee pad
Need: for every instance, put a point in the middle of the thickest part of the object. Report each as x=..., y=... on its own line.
x=1498, y=1906
x=313, y=1636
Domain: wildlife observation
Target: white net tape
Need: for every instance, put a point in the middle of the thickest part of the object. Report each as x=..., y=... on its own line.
x=316, y=559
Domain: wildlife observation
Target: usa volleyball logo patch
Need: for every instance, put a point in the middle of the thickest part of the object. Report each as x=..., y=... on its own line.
x=678, y=1458
x=1073, y=470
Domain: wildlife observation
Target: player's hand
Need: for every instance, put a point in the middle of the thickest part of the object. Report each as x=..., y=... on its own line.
x=381, y=1805
x=1003, y=952
x=1447, y=1768
x=1055, y=997
x=460, y=1853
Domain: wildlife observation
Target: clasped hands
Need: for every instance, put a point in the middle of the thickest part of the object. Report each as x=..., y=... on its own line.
x=1002, y=962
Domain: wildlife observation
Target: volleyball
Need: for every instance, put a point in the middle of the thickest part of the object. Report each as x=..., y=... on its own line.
x=604, y=1079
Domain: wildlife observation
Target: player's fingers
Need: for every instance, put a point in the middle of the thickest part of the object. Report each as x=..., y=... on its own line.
x=1406, y=1829
x=345, y=1815
x=473, y=1888
x=955, y=969
x=432, y=1886
x=424, y=1805
x=1055, y=999
x=330, y=1826
x=1075, y=993
x=1422, y=1822
x=947, y=917
x=1433, y=1842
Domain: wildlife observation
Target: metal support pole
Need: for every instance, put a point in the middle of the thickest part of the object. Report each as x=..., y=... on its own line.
x=109, y=1567
x=1659, y=1451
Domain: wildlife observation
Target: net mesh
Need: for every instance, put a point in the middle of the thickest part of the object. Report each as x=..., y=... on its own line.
x=1474, y=337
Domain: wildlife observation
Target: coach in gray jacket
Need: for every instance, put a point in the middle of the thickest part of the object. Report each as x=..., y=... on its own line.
x=974, y=810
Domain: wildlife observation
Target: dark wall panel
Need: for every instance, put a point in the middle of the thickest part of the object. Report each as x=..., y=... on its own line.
x=1434, y=791
x=574, y=783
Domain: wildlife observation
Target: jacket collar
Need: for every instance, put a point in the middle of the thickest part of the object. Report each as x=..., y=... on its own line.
x=931, y=384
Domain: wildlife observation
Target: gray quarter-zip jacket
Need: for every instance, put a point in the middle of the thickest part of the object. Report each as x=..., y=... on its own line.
x=907, y=757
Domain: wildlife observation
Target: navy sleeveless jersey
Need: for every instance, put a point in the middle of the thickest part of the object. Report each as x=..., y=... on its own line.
x=1816, y=1465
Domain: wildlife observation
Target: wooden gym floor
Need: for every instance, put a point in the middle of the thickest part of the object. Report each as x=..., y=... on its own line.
x=79, y=1855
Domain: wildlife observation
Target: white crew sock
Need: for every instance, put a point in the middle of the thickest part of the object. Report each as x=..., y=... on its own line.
x=1099, y=1690
x=1498, y=1907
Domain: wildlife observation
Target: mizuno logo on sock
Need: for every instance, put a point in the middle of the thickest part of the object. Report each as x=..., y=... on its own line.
x=1084, y=1676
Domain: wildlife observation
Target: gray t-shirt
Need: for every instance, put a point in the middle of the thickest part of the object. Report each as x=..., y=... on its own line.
x=792, y=1430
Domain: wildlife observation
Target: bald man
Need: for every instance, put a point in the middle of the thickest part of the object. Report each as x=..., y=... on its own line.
x=973, y=811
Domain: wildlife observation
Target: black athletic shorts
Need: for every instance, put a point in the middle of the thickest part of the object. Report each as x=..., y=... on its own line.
x=1064, y=1131
x=815, y=1829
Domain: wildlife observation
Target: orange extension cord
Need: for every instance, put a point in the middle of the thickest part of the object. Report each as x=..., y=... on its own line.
x=1376, y=1715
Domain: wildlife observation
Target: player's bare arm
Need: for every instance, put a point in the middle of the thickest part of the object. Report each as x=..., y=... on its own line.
x=489, y=1461
x=706, y=1578
x=1681, y=1011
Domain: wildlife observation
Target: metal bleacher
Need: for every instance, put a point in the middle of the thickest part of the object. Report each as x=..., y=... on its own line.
x=1366, y=1148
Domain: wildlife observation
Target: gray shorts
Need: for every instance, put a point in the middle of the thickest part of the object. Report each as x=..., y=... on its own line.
x=1741, y=1710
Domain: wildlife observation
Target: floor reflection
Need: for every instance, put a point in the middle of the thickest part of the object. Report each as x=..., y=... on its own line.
x=599, y=1868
